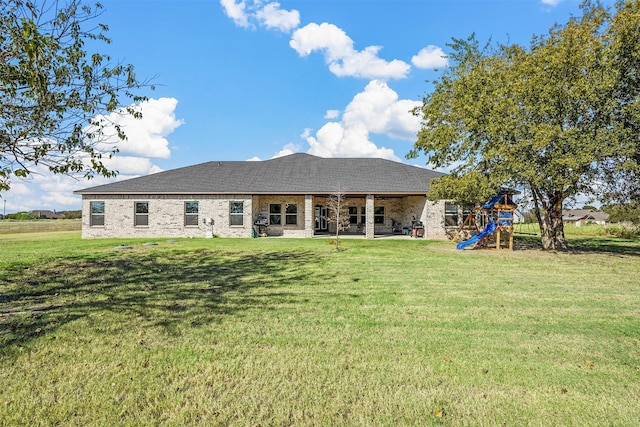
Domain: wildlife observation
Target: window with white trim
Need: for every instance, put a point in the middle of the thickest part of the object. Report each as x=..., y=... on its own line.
x=291, y=214
x=141, y=218
x=190, y=213
x=450, y=214
x=97, y=214
x=275, y=214
x=236, y=213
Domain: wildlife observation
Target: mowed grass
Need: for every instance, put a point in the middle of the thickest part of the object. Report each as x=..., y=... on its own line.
x=289, y=332
x=40, y=226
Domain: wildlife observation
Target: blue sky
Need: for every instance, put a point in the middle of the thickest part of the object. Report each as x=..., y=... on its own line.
x=248, y=80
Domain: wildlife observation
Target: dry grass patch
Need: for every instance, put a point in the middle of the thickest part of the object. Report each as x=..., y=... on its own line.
x=39, y=226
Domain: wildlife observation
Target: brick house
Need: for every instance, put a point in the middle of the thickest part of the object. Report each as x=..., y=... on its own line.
x=581, y=217
x=287, y=195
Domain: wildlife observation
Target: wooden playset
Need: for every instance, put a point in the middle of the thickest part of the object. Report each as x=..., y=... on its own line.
x=496, y=216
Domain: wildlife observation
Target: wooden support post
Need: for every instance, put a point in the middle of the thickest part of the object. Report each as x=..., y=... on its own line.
x=468, y=224
x=511, y=239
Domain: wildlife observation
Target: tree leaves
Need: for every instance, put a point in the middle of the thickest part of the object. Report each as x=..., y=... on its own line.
x=52, y=88
x=554, y=118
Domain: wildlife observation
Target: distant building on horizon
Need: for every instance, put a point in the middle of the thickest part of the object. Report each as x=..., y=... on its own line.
x=581, y=217
x=46, y=214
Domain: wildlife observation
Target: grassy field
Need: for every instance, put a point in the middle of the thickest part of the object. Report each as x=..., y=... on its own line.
x=289, y=332
x=39, y=226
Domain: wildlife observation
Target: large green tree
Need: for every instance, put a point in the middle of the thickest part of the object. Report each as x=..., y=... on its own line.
x=55, y=94
x=556, y=119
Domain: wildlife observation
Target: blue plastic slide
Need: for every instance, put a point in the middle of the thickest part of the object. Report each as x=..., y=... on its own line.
x=490, y=228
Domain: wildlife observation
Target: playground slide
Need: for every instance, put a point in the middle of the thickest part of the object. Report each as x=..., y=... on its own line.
x=490, y=228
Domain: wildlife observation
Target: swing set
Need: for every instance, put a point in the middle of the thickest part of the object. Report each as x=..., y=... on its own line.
x=496, y=216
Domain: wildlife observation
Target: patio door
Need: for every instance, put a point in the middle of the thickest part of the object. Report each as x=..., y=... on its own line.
x=322, y=218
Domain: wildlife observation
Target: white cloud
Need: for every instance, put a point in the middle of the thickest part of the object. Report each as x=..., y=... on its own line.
x=327, y=141
x=131, y=165
x=380, y=110
x=287, y=150
x=340, y=55
x=146, y=140
x=48, y=183
x=271, y=16
x=236, y=11
x=18, y=189
x=146, y=137
x=327, y=37
x=430, y=57
x=61, y=200
x=306, y=133
x=375, y=110
x=332, y=114
x=338, y=48
x=336, y=140
x=551, y=2
x=42, y=190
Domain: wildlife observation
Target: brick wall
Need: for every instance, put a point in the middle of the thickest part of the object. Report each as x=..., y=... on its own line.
x=434, y=220
x=166, y=216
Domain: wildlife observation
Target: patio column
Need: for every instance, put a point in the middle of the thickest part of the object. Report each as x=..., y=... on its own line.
x=309, y=224
x=369, y=225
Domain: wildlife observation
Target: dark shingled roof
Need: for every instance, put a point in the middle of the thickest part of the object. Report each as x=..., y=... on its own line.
x=293, y=174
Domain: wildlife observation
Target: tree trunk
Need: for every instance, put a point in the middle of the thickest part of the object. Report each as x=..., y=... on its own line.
x=552, y=229
x=549, y=215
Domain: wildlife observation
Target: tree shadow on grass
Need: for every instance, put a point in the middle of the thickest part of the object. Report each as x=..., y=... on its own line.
x=170, y=290
x=604, y=245
x=579, y=245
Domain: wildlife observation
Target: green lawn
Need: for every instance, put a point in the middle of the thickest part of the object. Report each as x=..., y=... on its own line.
x=289, y=332
x=39, y=225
